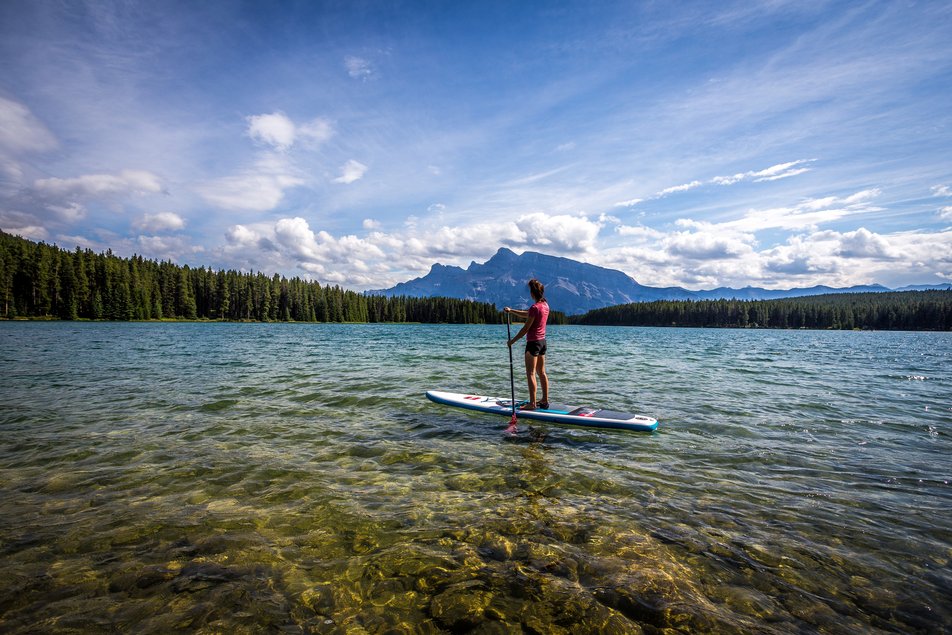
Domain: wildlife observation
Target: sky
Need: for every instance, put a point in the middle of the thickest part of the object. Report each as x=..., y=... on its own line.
x=695, y=144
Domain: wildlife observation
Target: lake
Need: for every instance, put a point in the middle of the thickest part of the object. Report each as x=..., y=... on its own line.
x=248, y=478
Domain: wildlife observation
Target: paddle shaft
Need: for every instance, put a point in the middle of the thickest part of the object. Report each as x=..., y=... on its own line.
x=512, y=376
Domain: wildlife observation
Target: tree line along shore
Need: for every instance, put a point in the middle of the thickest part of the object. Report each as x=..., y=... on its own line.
x=895, y=310
x=41, y=281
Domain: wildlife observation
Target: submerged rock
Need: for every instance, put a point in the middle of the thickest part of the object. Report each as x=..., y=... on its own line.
x=196, y=576
x=461, y=606
x=320, y=599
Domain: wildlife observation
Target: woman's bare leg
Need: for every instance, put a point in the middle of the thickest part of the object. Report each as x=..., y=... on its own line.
x=530, y=377
x=543, y=378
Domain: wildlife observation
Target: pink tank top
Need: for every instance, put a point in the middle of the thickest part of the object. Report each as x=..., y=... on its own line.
x=539, y=311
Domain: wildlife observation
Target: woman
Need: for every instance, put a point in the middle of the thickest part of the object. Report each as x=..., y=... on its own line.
x=534, y=330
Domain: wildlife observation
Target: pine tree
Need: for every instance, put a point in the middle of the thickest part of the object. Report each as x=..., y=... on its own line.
x=7, y=267
x=68, y=308
x=185, y=298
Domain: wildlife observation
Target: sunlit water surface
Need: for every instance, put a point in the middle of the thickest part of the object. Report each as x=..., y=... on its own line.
x=247, y=478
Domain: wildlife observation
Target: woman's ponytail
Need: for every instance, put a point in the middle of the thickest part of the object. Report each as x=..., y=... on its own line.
x=537, y=289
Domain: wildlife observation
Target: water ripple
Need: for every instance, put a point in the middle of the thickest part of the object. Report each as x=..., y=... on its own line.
x=255, y=477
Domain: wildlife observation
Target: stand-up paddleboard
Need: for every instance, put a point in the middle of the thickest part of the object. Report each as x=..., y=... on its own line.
x=555, y=413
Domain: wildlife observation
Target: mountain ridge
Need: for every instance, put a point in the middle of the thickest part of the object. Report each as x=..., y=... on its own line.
x=575, y=287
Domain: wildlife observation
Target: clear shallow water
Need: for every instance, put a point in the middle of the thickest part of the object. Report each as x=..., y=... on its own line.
x=217, y=478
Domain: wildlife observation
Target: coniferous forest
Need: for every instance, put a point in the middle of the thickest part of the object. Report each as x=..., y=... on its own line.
x=43, y=281
x=898, y=310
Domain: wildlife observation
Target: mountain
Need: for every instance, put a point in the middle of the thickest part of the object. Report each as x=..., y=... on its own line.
x=573, y=287
x=570, y=286
x=756, y=293
x=926, y=287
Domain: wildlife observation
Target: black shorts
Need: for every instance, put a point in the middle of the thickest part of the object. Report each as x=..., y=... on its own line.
x=536, y=348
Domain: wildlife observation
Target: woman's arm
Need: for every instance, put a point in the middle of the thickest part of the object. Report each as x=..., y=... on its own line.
x=517, y=312
x=525, y=329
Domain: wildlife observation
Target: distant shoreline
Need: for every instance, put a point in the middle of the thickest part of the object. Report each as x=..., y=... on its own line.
x=43, y=282
x=658, y=326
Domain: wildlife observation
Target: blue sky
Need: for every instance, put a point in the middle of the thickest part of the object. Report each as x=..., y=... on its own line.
x=775, y=144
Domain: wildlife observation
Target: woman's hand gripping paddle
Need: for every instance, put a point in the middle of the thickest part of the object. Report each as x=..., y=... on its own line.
x=512, y=378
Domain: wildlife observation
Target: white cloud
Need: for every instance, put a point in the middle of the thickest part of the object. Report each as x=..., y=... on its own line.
x=280, y=132
x=694, y=255
x=561, y=232
x=707, y=245
x=468, y=239
x=863, y=243
x=165, y=247
x=259, y=188
x=358, y=67
x=11, y=219
x=807, y=214
x=351, y=171
x=317, y=130
x=705, y=254
x=93, y=186
x=11, y=177
x=862, y=197
x=252, y=192
x=784, y=175
x=945, y=213
x=639, y=232
x=847, y=258
x=376, y=259
x=33, y=232
x=780, y=171
x=67, y=212
x=800, y=257
x=678, y=188
x=295, y=235
x=275, y=129
x=729, y=180
x=65, y=200
x=941, y=190
x=20, y=131
x=773, y=173
x=292, y=242
x=241, y=236
x=262, y=186
x=370, y=223
x=160, y=221
x=718, y=257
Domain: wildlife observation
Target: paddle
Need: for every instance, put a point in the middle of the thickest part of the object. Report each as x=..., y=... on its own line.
x=512, y=378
